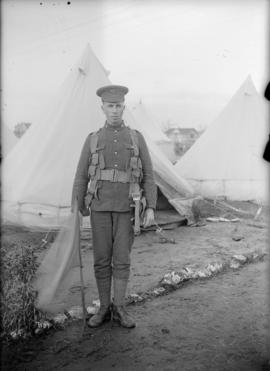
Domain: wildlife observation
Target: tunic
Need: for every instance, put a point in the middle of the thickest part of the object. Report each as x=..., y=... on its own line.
x=116, y=145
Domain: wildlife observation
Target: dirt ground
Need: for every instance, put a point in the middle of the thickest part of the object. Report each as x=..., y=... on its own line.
x=215, y=324
x=220, y=325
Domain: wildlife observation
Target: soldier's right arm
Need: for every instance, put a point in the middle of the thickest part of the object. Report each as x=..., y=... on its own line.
x=81, y=176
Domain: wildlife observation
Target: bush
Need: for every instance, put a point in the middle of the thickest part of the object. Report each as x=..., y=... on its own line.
x=19, y=265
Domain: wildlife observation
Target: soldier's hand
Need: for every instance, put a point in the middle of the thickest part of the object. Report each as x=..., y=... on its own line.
x=84, y=211
x=149, y=217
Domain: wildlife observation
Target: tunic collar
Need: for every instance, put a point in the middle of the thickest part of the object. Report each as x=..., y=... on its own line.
x=117, y=127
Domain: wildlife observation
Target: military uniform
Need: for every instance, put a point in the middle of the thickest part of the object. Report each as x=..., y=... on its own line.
x=111, y=205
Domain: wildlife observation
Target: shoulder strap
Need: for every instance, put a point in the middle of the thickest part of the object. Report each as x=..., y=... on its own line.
x=93, y=142
x=135, y=141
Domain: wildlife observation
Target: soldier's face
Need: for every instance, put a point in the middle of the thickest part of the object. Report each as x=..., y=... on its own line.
x=113, y=112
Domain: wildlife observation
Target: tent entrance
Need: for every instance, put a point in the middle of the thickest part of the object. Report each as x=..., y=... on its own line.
x=166, y=216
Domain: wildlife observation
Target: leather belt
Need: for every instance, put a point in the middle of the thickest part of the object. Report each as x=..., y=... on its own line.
x=114, y=175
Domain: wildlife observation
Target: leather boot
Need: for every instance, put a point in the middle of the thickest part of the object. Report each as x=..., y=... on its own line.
x=120, y=314
x=104, y=313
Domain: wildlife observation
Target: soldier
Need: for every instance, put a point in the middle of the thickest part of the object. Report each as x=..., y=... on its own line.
x=114, y=168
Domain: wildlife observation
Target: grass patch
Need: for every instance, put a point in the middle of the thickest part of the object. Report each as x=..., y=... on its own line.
x=18, y=267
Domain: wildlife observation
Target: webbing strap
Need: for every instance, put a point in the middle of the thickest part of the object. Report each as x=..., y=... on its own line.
x=93, y=170
x=134, y=190
x=93, y=142
x=134, y=139
x=135, y=167
x=92, y=186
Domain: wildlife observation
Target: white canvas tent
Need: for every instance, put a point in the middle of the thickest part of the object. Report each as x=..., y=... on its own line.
x=8, y=140
x=227, y=159
x=38, y=174
x=166, y=145
x=143, y=115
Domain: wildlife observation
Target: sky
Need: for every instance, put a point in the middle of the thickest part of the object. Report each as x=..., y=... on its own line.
x=184, y=59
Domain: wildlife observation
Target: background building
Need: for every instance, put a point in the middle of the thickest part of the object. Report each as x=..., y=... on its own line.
x=183, y=138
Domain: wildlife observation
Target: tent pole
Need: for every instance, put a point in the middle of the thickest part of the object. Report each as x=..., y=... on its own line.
x=81, y=277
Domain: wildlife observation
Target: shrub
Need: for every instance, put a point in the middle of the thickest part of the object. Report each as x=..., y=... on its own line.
x=19, y=265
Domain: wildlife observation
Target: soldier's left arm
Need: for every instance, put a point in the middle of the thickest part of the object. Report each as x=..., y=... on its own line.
x=81, y=177
x=148, y=182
